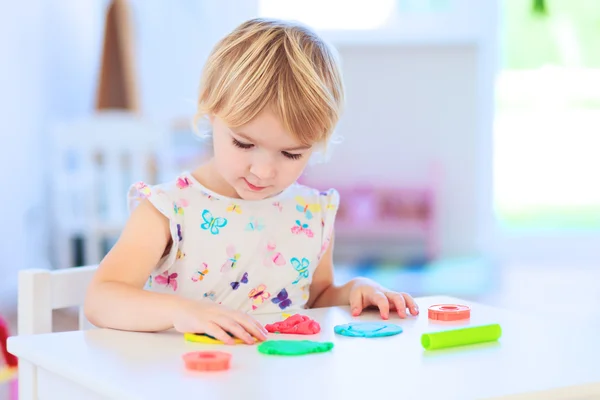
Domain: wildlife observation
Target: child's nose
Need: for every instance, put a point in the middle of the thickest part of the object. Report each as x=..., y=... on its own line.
x=263, y=170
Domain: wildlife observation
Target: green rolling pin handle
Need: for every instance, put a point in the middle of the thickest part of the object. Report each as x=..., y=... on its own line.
x=461, y=337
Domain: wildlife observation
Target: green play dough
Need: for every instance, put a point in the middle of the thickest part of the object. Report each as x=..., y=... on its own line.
x=293, y=347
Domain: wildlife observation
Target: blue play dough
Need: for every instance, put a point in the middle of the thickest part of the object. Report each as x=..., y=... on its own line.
x=367, y=329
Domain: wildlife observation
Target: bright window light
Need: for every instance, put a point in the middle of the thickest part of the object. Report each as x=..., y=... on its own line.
x=332, y=14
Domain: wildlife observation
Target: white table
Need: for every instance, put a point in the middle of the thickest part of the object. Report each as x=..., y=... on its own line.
x=534, y=359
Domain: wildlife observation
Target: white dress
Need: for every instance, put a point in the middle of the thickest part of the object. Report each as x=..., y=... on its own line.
x=254, y=256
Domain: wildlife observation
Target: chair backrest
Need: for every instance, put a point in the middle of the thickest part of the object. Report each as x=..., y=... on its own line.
x=96, y=158
x=42, y=291
x=94, y=161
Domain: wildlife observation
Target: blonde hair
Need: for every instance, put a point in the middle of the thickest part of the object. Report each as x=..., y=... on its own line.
x=277, y=64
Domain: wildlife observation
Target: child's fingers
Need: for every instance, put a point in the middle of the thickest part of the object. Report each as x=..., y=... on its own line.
x=217, y=332
x=410, y=303
x=398, y=303
x=356, y=302
x=379, y=299
x=251, y=326
x=261, y=329
x=260, y=326
x=234, y=328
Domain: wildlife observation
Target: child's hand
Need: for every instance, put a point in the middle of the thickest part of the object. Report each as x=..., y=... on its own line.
x=216, y=320
x=365, y=293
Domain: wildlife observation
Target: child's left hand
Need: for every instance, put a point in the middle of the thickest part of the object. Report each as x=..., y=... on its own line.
x=365, y=293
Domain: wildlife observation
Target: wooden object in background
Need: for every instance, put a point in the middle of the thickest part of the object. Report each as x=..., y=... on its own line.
x=117, y=86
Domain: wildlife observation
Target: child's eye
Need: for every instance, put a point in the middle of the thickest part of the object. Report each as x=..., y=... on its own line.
x=291, y=156
x=241, y=145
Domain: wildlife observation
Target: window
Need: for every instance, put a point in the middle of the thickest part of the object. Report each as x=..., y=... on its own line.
x=349, y=14
x=547, y=132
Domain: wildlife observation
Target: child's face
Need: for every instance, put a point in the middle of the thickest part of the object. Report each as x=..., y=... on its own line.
x=259, y=159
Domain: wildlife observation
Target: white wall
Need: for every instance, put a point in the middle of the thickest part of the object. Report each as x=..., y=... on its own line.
x=174, y=39
x=20, y=103
x=421, y=92
x=408, y=109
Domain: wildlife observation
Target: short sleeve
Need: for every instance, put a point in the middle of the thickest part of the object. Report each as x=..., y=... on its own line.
x=329, y=201
x=159, y=197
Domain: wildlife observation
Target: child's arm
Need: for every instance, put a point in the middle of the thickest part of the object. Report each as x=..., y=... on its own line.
x=323, y=293
x=359, y=293
x=116, y=299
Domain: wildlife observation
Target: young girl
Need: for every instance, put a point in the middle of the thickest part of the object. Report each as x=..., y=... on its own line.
x=238, y=235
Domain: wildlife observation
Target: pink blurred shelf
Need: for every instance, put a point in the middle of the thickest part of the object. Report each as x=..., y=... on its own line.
x=397, y=213
x=401, y=230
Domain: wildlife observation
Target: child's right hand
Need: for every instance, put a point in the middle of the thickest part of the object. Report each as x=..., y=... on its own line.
x=216, y=320
x=118, y=285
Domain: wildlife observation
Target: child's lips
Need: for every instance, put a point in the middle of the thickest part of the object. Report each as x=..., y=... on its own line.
x=254, y=187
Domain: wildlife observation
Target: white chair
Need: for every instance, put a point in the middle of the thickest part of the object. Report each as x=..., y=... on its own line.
x=41, y=292
x=94, y=161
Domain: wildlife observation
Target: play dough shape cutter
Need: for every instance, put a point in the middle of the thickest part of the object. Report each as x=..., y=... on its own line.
x=207, y=360
x=449, y=312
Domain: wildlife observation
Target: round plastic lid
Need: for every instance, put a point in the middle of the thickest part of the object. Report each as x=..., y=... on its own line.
x=449, y=312
x=207, y=360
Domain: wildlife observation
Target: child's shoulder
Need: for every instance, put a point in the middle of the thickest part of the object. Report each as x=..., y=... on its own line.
x=314, y=195
x=165, y=195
